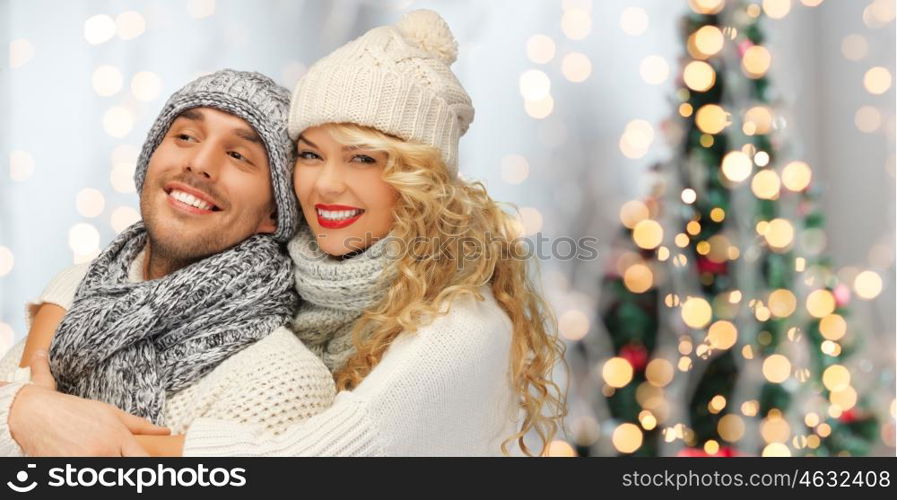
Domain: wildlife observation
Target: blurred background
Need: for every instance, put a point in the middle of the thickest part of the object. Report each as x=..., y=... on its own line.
x=589, y=119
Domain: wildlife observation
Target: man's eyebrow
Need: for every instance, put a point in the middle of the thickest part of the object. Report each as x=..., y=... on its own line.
x=192, y=114
x=248, y=134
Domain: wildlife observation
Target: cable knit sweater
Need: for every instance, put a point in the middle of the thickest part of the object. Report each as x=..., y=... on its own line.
x=273, y=383
x=443, y=390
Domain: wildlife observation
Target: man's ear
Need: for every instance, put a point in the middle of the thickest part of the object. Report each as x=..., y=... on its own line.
x=268, y=224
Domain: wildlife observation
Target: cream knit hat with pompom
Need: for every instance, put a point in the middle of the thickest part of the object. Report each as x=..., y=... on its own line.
x=395, y=79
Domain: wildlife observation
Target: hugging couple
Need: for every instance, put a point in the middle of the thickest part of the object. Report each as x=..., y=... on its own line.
x=261, y=307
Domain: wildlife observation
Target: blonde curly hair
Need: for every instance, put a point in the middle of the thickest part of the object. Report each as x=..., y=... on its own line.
x=433, y=205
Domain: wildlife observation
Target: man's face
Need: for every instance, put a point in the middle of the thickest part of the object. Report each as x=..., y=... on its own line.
x=207, y=186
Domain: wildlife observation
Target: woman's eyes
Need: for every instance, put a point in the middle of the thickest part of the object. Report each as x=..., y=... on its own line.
x=184, y=137
x=308, y=155
x=363, y=159
x=359, y=158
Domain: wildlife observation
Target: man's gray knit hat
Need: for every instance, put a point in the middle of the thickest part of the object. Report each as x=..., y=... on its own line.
x=258, y=100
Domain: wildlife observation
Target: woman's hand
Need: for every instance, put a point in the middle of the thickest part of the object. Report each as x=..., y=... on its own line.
x=48, y=423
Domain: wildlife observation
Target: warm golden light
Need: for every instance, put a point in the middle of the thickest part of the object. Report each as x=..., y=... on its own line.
x=779, y=234
x=765, y=184
x=845, y=398
x=540, y=49
x=558, y=448
x=877, y=80
x=638, y=278
x=722, y=334
x=777, y=9
x=776, y=450
x=836, y=378
x=796, y=176
x=633, y=212
x=627, y=438
x=708, y=41
x=617, y=372
x=712, y=119
x=659, y=372
x=730, y=427
x=654, y=70
x=647, y=234
x=647, y=419
x=774, y=428
x=737, y=166
x=699, y=76
x=830, y=348
x=707, y=6
x=573, y=325
x=820, y=303
x=696, y=312
x=833, y=327
x=760, y=119
x=867, y=284
x=756, y=61
x=776, y=368
x=867, y=119
x=782, y=303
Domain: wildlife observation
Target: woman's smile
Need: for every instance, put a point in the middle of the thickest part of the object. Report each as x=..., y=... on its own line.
x=337, y=216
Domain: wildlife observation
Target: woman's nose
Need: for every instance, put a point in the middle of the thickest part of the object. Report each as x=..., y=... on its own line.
x=330, y=181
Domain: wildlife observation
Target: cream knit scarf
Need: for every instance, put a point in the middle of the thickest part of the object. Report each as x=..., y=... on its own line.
x=335, y=293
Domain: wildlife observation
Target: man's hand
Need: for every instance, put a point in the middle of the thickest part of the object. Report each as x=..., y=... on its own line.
x=48, y=423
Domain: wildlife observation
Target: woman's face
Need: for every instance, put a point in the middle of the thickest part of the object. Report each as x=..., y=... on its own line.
x=341, y=189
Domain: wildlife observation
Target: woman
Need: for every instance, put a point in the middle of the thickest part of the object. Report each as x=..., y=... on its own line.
x=451, y=354
x=414, y=284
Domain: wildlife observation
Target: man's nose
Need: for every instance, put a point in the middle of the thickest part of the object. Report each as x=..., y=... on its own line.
x=204, y=161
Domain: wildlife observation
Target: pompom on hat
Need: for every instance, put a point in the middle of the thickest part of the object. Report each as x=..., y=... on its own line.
x=395, y=79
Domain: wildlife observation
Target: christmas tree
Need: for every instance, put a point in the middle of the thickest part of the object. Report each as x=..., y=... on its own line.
x=729, y=326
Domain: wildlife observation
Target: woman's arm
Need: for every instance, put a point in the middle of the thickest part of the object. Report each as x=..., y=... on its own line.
x=43, y=327
x=442, y=390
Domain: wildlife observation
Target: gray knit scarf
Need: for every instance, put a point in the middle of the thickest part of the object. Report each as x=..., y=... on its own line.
x=132, y=344
x=334, y=294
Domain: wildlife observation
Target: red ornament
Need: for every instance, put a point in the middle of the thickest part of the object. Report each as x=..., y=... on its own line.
x=743, y=46
x=706, y=265
x=848, y=416
x=725, y=451
x=636, y=355
x=842, y=295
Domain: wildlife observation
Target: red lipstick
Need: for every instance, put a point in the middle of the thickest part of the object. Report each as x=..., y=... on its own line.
x=337, y=216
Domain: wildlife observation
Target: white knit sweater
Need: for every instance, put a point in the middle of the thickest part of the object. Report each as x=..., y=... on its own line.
x=273, y=383
x=441, y=391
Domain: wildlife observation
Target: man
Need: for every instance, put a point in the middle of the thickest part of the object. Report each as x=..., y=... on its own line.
x=200, y=279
